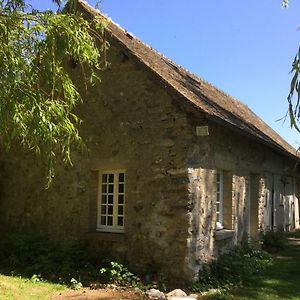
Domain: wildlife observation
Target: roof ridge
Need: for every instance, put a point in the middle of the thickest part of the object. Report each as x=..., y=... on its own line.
x=164, y=56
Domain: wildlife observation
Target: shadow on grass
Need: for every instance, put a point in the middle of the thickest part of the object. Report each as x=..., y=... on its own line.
x=281, y=280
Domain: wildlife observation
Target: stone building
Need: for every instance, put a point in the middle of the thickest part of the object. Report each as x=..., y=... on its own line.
x=176, y=170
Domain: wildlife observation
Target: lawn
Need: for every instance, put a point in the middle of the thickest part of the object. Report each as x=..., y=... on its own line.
x=280, y=281
x=17, y=288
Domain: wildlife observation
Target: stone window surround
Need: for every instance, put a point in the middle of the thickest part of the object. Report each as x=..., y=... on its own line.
x=225, y=190
x=219, y=199
x=114, y=227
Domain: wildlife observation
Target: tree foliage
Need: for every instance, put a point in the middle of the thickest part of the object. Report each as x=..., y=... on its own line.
x=294, y=93
x=37, y=93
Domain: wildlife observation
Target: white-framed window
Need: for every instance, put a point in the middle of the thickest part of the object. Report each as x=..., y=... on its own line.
x=111, y=201
x=219, y=199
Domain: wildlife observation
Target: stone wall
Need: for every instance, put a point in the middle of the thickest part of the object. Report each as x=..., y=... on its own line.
x=129, y=122
x=246, y=166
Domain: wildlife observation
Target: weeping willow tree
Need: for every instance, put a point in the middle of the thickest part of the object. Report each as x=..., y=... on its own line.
x=294, y=93
x=37, y=94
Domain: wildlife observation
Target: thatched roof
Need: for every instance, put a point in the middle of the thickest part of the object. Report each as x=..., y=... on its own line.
x=218, y=105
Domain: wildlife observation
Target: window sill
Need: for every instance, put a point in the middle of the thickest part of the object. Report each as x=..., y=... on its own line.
x=224, y=234
x=109, y=229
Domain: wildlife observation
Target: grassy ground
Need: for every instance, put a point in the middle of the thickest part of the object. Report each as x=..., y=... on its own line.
x=16, y=288
x=281, y=281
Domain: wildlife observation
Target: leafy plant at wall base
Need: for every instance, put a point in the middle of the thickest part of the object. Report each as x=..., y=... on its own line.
x=162, y=282
x=273, y=241
x=119, y=274
x=239, y=266
x=217, y=294
x=75, y=284
x=32, y=253
x=36, y=278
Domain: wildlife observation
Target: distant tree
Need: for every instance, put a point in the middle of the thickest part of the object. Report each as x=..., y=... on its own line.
x=37, y=94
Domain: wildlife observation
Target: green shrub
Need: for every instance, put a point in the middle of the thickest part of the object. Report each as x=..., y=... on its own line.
x=72, y=263
x=217, y=294
x=237, y=267
x=75, y=284
x=119, y=274
x=273, y=241
x=32, y=253
x=36, y=278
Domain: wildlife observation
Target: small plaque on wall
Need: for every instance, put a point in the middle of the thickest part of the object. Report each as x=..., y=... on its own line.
x=202, y=131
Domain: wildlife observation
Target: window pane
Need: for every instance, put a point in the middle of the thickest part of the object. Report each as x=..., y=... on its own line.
x=218, y=207
x=104, y=199
x=121, y=177
x=104, y=188
x=104, y=177
x=111, y=188
x=103, y=210
x=110, y=199
x=111, y=178
x=103, y=220
x=121, y=188
x=110, y=209
x=120, y=210
x=109, y=220
x=121, y=199
x=120, y=221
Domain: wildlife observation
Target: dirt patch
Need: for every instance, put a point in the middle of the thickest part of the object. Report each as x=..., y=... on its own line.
x=101, y=294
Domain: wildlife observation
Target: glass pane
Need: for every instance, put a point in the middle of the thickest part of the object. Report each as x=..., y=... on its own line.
x=218, y=207
x=111, y=188
x=110, y=199
x=218, y=197
x=109, y=221
x=120, y=210
x=110, y=209
x=121, y=177
x=104, y=188
x=120, y=221
x=104, y=199
x=103, y=220
x=103, y=210
x=121, y=188
x=218, y=176
x=121, y=199
x=111, y=178
x=104, y=177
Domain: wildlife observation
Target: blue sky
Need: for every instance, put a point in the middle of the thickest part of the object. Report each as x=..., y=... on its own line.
x=243, y=47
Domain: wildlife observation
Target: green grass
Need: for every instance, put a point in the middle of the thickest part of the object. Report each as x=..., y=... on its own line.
x=17, y=288
x=280, y=281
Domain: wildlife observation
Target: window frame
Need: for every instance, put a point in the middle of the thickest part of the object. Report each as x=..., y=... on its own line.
x=220, y=202
x=114, y=228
